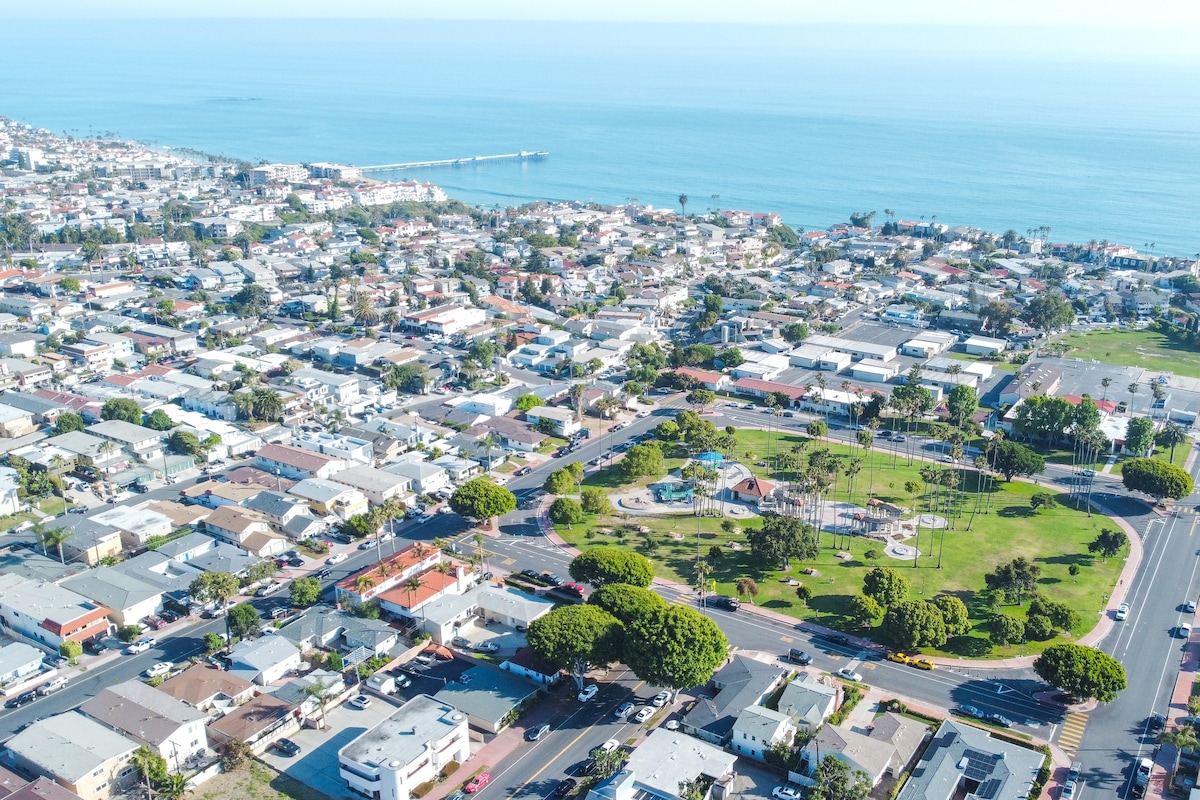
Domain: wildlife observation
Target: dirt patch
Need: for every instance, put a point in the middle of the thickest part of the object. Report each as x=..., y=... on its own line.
x=255, y=781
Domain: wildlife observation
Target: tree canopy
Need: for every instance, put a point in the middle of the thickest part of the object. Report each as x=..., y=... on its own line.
x=157, y=420
x=243, y=620
x=914, y=623
x=1015, y=579
x=642, y=460
x=577, y=638
x=599, y=566
x=1156, y=478
x=1011, y=458
x=122, y=408
x=676, y=647
x=560, y=481
x=1080, y=671
x=780, y=539
x=565, y=511
x=528, y=401
x=1139, y=435
x=67, y=422
x=626, y=602
x=836, y=781
x=1048, y=310
x=885, y=586
x=1108, y=543
x=482, y=499
x=305, y=591
x=594, y=501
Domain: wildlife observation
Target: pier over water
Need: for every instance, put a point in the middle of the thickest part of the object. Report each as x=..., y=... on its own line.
x=458, y=162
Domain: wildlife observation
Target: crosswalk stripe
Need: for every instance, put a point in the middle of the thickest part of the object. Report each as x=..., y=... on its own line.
x=508, y=561
x=1071, y=733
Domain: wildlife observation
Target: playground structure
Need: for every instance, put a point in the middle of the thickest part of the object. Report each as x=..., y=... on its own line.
x=673, y=492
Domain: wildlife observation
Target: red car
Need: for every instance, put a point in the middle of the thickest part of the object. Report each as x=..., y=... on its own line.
x=477, y=783
x=154, y=622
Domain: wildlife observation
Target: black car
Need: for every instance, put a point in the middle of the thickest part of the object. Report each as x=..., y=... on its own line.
x=998, y=719
x=139, y=488
x=287, y=747
x=1157, y=723
x=95, y=647
x=21, y=699
x=565, y=787
x=838, y=638
x=295, y=562
x=168, y=615
x=324, y=572
x=585, y=767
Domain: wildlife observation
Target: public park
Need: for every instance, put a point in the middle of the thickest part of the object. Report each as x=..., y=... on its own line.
x=942, y=526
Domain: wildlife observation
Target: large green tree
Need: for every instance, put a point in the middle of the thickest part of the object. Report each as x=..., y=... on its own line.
x=626, y=602
x=595, y=501
x=577, y=638
x=243, y=620
x=565, y=511
x=1011, y=459
x=1139, y=435
x=885, y=586
x=836, y=781
x=954, y=614
x=482, y=499
x=604, y=565
x=1108, y=543
x=528, y=401
x=780, y=539
x=1082, y=672
x=642, y=460
x=675, y=647
x=122, y=408
x=67, y=422
x=305, y=591
x=1048, y=310
x=914, y=623
x=1015, y=579
x=1157, y=479
x=560, y=481
x=157, y=420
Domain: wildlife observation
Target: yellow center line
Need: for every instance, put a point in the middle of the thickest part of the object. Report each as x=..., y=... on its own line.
x=1193, y=529
x=568, y=746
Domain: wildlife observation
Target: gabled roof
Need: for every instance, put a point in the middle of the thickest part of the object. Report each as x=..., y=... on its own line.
x=200, y=683
x=140, y=711
x=741, y=683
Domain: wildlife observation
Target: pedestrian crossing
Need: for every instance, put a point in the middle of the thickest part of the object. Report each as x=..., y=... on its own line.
x=1071, y=733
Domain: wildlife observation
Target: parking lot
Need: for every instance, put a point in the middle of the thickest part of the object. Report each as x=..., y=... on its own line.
x=317, y=764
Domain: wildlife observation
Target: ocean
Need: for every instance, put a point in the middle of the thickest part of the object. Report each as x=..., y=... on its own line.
x=812, y=123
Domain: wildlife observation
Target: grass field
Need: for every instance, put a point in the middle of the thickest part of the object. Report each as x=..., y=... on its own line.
x=1055, y=539
x=1142, y=348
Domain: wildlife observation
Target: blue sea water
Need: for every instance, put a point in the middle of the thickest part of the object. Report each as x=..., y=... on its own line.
x=812, y=123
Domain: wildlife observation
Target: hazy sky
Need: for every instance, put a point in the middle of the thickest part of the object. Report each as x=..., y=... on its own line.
x=1172, y=15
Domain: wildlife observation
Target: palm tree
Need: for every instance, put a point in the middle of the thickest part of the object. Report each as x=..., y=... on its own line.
x=1132, y=393
x=1105, y=382
x=173, y=786
x=362, y=583
x=479, y=551
x=244, y=403
x=321, y=693
x=1181, y=739
x=576, y=394
x=147, y=763
x=488, y=443
x=415, y=584
x=1172, y=435
x=268, y=405
x=391, y=318
x=365, y=312
x=683, y=201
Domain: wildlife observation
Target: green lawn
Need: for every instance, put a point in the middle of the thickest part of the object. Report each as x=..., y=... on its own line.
x=1004, y=365
x=1162, y=454
x=1141, y=348
x=1054, y=539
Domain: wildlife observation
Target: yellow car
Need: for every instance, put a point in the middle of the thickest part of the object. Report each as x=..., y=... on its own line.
x=899, y=658
x=922, y=663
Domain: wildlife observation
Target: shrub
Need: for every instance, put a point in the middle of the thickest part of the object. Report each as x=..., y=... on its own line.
x=422, y=789
x=1039, y=627
x=450, y=768
x=128, y=633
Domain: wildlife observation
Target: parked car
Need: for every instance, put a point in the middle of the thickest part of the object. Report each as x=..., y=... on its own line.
x=168, y=616
x=525, y=470
x=287, y=747
x=565, y=787
x=424, y=518
x=21, y=699
x=899, y=658
x=270, y=589
x=588, y=693
x=367, y=544
x=644, y=713
x=154, y=622
x=967, y=711
x=140, y=646
x=998, y=719
x=1122, y=611
x=786, y=793
x=1184, y=631
x=608, y=747
x=848, y=674
x=361, y=701
x=533, y=734
x=1190, y=606
x=94, y=647
x=799, y=657
x=53, y=685
x=486, y=647
x=323, y=572
x=922, y=663
x=659, y=700
x=623, y=710
x=159, y=669
x=478, y=782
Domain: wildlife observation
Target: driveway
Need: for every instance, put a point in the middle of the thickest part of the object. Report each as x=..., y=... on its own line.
x=317, y=763
x=753, y=781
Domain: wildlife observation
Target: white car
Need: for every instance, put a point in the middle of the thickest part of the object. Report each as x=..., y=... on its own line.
x=500, y=480
x=1122, y=611
x=424, y=518
x=336, y=559
x=644, y=713
x=361, y=701
x=848, y=674
x=486, y=647
x=161, y=668
x=623, y=710
x=786, y=793
x=588, y=693
x=1190, y=606
x=140, y=646
x=660, y=699
x=1185, y=631
x=608, y=747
